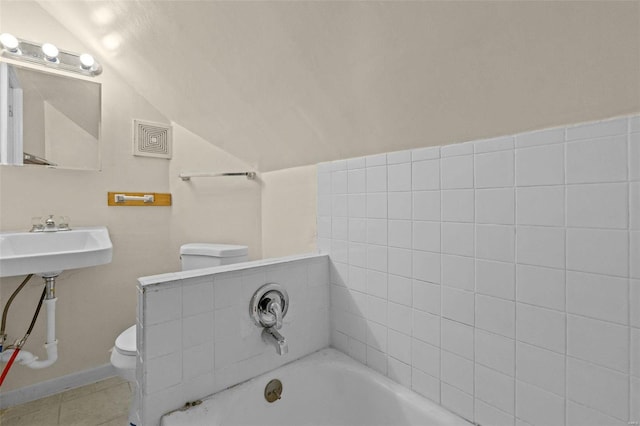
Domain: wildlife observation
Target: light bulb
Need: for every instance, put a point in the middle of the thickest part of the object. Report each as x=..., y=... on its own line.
x=50, y=52
x=86, y=61
x=9, y=42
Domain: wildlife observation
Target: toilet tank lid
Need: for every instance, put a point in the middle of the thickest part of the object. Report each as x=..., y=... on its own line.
x=217, y=250
x=126, y=341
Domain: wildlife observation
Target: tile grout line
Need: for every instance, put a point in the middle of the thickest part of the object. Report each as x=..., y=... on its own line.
x=475, y=256
x=410, y=164
x=515, y=295
x=629, y=342
x=566, y=244
x=59, y=411
x=440, y=226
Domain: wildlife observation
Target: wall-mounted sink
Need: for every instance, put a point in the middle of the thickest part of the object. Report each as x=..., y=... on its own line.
x=49, y=253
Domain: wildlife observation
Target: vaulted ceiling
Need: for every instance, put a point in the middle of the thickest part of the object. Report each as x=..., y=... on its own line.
x=281, y=84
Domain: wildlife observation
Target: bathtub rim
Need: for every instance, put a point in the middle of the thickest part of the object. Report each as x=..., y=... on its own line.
x=324, y=356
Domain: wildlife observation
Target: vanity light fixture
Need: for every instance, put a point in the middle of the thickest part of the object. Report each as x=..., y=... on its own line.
x=50, y=52
x=48, y=55
x=86, y=61
x=9, y=42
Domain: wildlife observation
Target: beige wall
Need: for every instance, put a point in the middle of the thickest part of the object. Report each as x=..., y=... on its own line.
x=289, y=211
x=285, y=84
x=95, y=304
x=68, y=144
x=220, y=209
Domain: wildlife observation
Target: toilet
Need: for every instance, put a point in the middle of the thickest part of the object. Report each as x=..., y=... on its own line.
x=192, y=256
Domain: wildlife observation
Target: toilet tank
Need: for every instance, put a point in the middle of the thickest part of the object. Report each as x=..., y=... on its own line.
x=204, y=255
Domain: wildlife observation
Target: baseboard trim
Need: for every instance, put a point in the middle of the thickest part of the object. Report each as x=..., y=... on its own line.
x=54, y=386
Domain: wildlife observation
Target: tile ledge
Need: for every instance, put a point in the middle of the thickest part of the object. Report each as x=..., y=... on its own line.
x=174, y=276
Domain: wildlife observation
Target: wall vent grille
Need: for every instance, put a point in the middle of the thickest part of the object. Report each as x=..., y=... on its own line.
x=151, y=139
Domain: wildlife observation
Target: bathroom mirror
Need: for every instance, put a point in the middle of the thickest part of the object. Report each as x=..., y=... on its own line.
x=48, y=119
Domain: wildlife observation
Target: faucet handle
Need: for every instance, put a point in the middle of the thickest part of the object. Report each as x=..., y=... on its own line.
x=36, y=224
x=63, y=223
x=269, y=305
x=275, y=309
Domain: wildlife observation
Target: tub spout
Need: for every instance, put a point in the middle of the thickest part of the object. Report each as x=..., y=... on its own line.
x=281, y=343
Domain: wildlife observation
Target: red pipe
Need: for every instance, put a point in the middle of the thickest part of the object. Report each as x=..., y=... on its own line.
x=8, y=366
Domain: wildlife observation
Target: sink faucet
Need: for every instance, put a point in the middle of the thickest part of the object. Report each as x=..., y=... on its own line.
x=268, y=307
x=50, y=225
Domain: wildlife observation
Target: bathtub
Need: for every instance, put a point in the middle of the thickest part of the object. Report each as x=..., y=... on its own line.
x=324, y=388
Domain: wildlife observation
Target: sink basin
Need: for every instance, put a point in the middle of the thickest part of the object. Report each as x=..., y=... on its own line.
x=49, y=253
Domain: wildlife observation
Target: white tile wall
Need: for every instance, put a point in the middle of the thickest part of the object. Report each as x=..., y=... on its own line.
x=599, y=251
x=426, y=385
x=456, y=172
x=543, y=165
x=597, y=160
x=543, y=287
x=458, y=271
x=457, y=238
x=428, y=153
x=611, y=209
x=486, y=414
x=197, y=337
x=634, y=204
x=400, y=233
x=540, y=205
x=494, y=388
x=540, y=367
x=495, y=242
x=457, y=338
x=585, y=383
x=377, y=179
x=494, y=170
x=579, y=415
x=598, y=296
x=495, y=279
x=425, y=175
x=542, y=137
x=536, y=406
x=457, y=205
x=541, y=246
x=513, y=273
x=541, y=327
x=426, y=235
x=399, y=177
x=457, y=371
x=399, y=205
x=599, y=342
x=595, y=130
x=456, y=400
x=458, y=305
x=495, y=315
x=634, y=153
x=495, y=206
x=495, y=352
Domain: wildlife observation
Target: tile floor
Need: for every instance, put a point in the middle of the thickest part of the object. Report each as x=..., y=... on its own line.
x=105, y=403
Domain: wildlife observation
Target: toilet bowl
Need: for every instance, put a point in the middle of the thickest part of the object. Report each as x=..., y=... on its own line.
x=192, y=256
x=123, y=355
